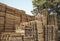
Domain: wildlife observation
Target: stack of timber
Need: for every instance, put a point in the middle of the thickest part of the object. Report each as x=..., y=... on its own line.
x=39, y=35
x=24, y=18
x=9, y=17
x=33, y=30
x=1, y=23
x=44, y=16
x=48, y=26
x=52, y=19
x=11, y=36
x=52, y=24
x=2, y=14
x=28, y=28
x=50, y=33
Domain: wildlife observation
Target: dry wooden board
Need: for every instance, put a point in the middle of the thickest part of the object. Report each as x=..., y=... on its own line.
x=2, y=8
x=9, y=31
x=11, y=36
x=1, y=25
x=17, y=12
x=9, y=22
x=1, y=20
x=23, y=16
x=9, y=25
x=24, y=20
x=28, y=40
x=10, y=10
x=23, y=12
x=17, y=20
x=10, y=16
x=2, y=13
x=1, y=29
x=39, y=30
x=50, y=32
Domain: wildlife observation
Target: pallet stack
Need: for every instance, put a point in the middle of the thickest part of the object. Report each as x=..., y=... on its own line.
x=28, y=28
x=9, y=17
x=44, y=16
x=48, y=26
x=40, y=33
x=2, y=14
x=6, y=36
x=33, y=30
x=38, y=28
x=50, y=33
x=53, y=26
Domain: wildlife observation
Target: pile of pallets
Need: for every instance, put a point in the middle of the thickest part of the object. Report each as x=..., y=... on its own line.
x=50, y=33
x=47, y=27
x=33, y=30
x=11, y=36
x=9, y=17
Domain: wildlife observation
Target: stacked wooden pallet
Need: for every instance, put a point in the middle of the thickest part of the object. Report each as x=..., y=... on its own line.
x=1, y=23
x=2, y=14
x=44, y=16
x=33, y=30
x=40, y=32
x=11, y=36
x=9, y=17
x=52, y=19
x=50, y=33
x=29, y=28
x=47, y=25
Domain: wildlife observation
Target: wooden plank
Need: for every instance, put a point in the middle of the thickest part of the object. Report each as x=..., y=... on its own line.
x=8, y=15
x=2, y=7
x=1, y=28
x=17, y=20
x=11, y=36
x=2, y=14
x=9, y=21
x=1, y=20
x=10, y=10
